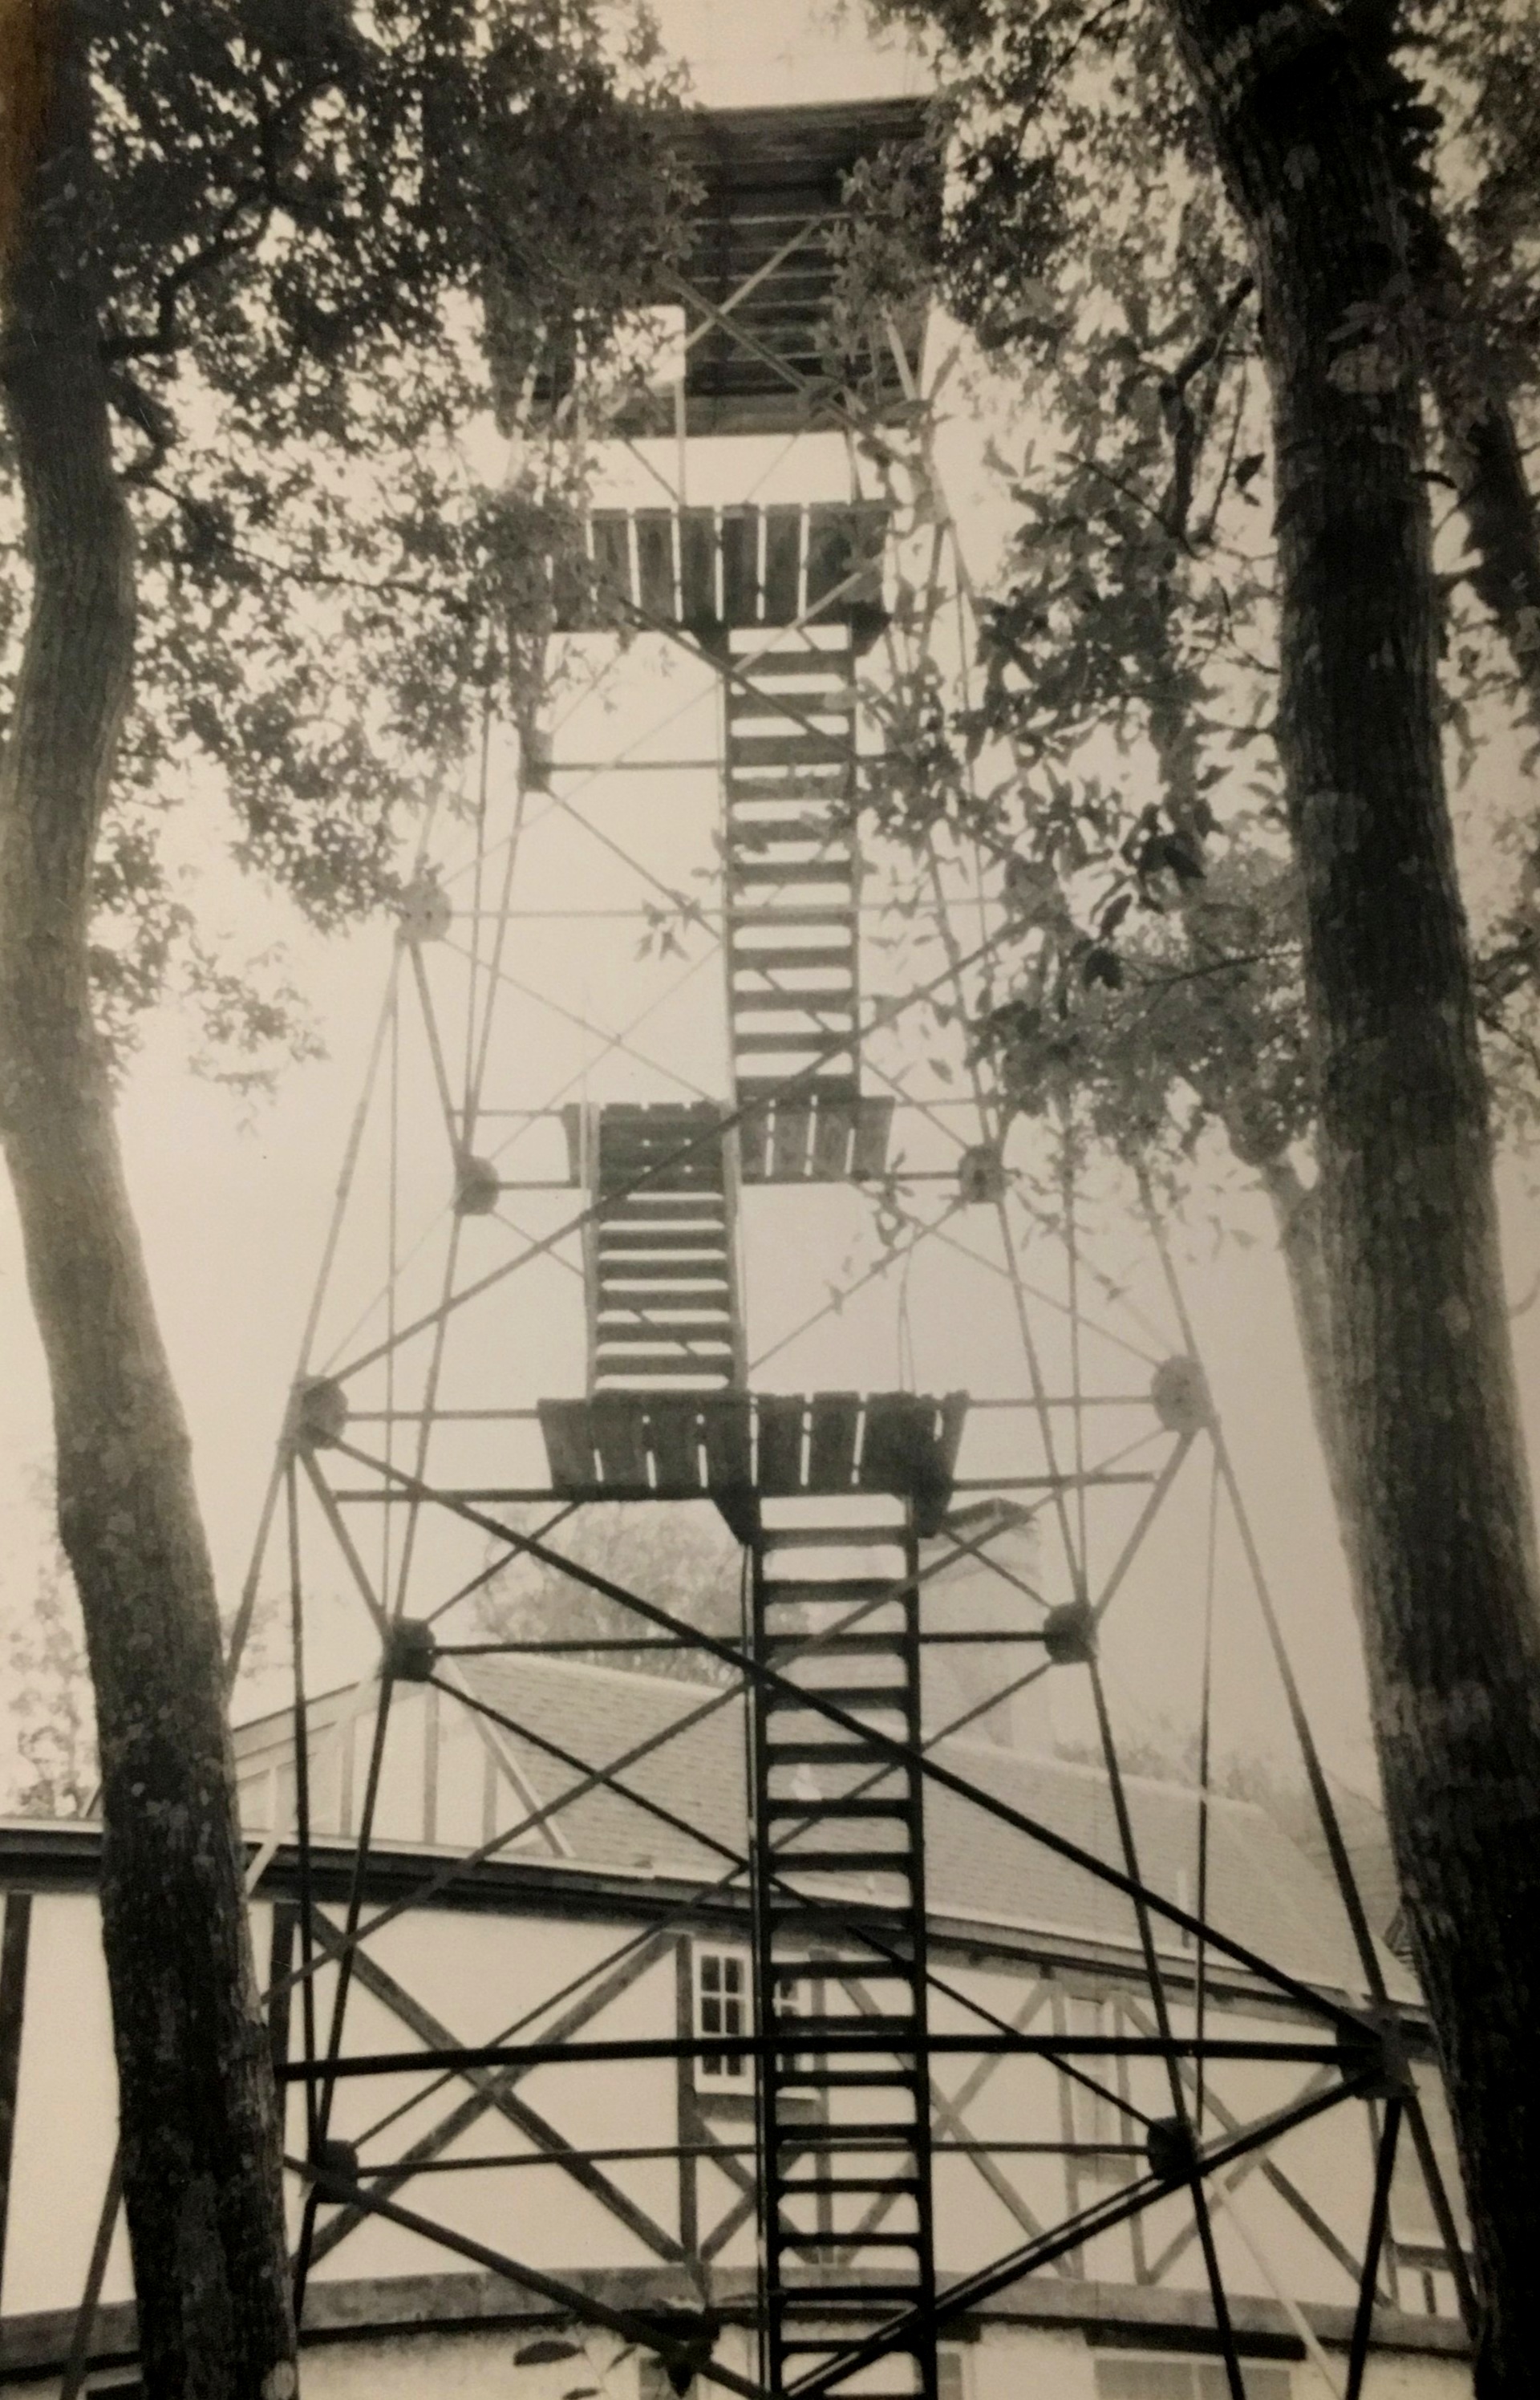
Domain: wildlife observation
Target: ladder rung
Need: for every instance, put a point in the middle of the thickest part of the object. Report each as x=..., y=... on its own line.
x=618, y=1242
x=677, y=1358
x=877, y=2238
x=819, y=1754
x=685, y=1320
x=856, y=2137
x=766, y=870
x=779, y=918
x=619, y=1205
x=746, y=702
x=642, y=1338
x=836, y=1591
x=778, y=1000
x=769, y=962
x=832, y=1537
x=839, y=1645
x=904, y=2186
x=644, y=1230
x=849, y=1696
x=708, y=1336
x=617, y=1272
x=657, y=1200
x=812, y=1812
x=799, y=745
x=895, y=1862
x=771, y=1021
x=793, y=1042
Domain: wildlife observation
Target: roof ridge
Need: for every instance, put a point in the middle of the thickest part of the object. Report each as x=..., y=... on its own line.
x=685, y=1684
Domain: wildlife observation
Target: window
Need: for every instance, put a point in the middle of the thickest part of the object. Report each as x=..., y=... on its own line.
x=1174, y=2378
x=721, y=2010
x=724, y=2009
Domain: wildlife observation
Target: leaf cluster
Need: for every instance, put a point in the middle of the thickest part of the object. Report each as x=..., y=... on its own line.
x=333, y=250
x=1119, y=759
x=679, y=1555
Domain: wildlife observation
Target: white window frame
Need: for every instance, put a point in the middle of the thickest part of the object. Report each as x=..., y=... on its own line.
x=721, y=1984
x=721, y=2006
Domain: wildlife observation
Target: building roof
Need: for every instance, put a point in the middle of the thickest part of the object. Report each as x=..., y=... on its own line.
x=1262, y=1891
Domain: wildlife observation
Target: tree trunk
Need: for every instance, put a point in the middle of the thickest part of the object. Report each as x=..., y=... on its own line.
x=1438, y=1496
x=1296, y=1214
x=199, y=2124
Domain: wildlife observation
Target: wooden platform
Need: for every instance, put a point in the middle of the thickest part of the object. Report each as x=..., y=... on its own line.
x=743, y=1447
x=710, y=570
x=813, y=1137
x=801, y=1136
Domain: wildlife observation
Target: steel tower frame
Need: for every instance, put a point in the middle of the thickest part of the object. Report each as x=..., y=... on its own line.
x=822, y=625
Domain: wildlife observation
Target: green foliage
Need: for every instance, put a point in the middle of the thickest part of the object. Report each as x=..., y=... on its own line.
x=1120, y=758
x=679, y=1555
x=48, y=1691
x=51, y=1700
x=335, y=250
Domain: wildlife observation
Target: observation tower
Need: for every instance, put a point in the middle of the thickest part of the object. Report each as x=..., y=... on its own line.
x=726, y=1974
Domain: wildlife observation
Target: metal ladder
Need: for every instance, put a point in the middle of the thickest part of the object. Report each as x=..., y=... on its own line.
x=793, y=875
x=840, y=1912
x=660, y=1274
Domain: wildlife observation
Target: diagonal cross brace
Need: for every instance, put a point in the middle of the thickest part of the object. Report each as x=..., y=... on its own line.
x=1100, y=1870
x=493, y=2089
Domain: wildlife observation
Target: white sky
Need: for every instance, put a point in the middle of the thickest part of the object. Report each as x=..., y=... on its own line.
x=233, y=1202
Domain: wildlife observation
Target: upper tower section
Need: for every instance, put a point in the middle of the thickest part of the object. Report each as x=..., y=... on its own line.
x=758, y=287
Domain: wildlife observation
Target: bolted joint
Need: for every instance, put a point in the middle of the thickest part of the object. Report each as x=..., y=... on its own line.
x=981, y=1175
x=338, y=2162
x=423, y=912
x=411, y=1650
x=1374, y=2057
x=318, y=1414
x=1068, y=1634
x=1178, y=1395
x=1171, y=2148
x=476, y=1186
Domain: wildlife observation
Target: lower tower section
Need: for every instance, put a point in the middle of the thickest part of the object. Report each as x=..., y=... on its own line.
x=838, y=1852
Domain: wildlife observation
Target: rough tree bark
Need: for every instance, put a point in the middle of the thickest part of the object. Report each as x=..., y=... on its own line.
x=1437, y=1494
x=198, y=2122
x=1296, y=1206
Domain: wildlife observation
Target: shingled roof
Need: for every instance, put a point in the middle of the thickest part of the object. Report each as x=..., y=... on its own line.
x=1262, y=1891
